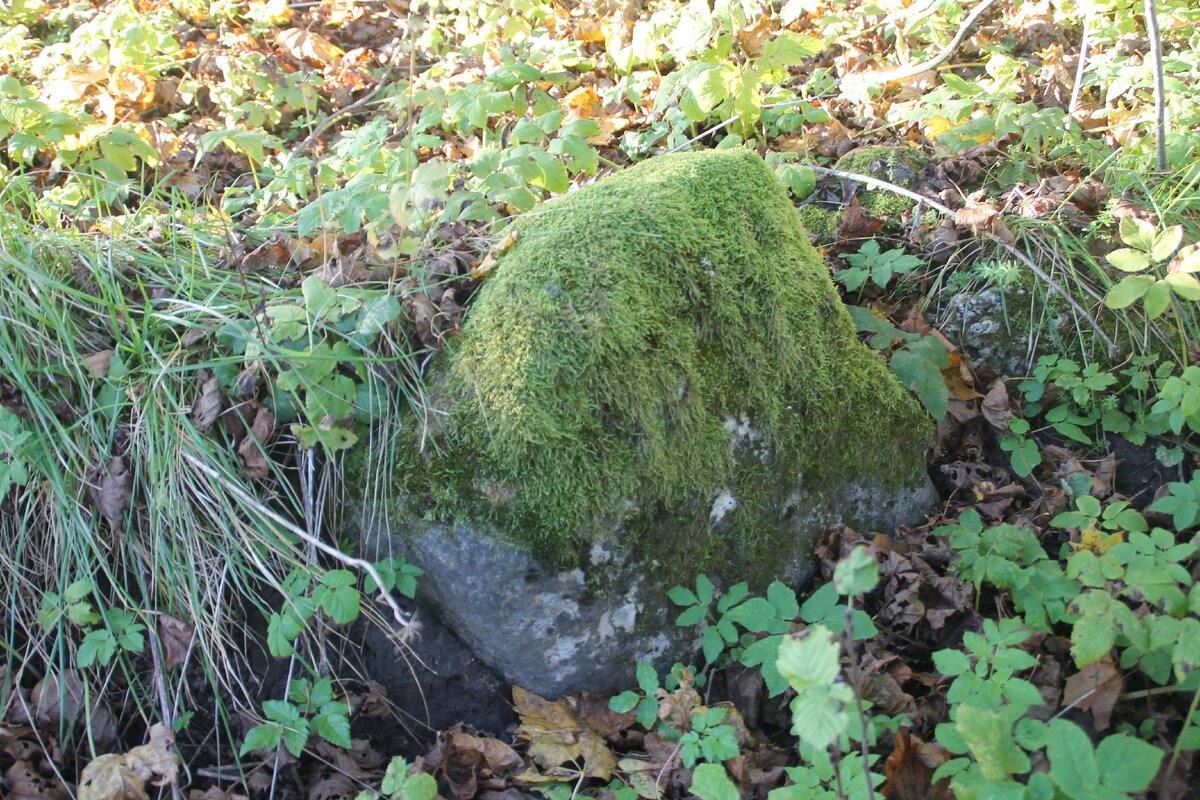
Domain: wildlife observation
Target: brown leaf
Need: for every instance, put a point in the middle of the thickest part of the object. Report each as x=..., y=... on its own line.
x=25, y=784
x=909, y=770
x=97, y=363
x=983, y=217
x=307, y=46
x=111, y=490
x=252, y=450
x=557, y=737
x=176, y=639
x=1095, y=687
x=207, y=409
x=854, y=224
x=995, y=407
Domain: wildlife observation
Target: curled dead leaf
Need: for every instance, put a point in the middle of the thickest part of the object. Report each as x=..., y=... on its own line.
x=97, y=363
x=1095, y=688
x=252, y=449
x=110, y=487
x=208, y=408
x=307, y=46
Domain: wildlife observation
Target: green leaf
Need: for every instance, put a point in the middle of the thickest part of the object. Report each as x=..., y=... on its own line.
x=1157, y=299
x=419, y=787
x=811, y=660
x=1128, y=260
x=704, y=589
x=1137, y=233
x=1127, y=764
x=319, y=299
x=1072, y=760
x=625, y=701
x=711, y=782
x=856, y=573
x=682, y=596
x=924, y=377
x=261, y=737
x=1183, y=284
x=690, y=616
x=1128, y=290
x=756, y=614
x=335, y=728
x=341, y=604
x=784, y=600
x=790, y=49
x=647, y=678
x=98, y=647
x=989, y=737
x=1166, y=243
x=711, y=87
x=951, y=662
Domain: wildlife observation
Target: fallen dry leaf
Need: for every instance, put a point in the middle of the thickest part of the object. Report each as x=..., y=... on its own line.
x=252, y=450
x=111, y=490
x=307, y=46
x=909, y=770
x=1095, y=688
x=97, y=363
x=176, y=639
x=207, y=409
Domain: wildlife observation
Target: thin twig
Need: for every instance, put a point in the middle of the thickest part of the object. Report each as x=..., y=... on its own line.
x=882, y=78
x=241, y=494
x=352, y=108
x=1081, y=67
x=1160, y=99
x=1017, y=253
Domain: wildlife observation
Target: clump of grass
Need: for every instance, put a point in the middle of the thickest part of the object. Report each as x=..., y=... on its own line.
x=106, y=338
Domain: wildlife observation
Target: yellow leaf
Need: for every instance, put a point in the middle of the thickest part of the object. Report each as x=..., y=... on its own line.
x=1092, y=538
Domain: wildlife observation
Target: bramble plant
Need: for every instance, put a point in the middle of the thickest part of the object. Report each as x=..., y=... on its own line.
x=309, y=710
x=880, y=267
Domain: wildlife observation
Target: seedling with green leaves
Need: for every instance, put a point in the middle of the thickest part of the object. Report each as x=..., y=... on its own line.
x=310, y=709
x=878, y=266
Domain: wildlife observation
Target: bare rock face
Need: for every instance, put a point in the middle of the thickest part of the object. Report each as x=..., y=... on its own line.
x=658, y=380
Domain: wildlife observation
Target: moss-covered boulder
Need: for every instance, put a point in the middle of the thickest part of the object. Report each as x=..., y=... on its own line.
x=658, y=380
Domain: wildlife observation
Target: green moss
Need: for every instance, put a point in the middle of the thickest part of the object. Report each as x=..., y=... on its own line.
x=652, y=341
x=897, y=165
x=819, y=221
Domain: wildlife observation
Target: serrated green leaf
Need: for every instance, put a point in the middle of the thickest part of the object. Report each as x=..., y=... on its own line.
x=1072, y=760
x=812, y=660
x=951, y=662
x=1127, y=764
x=711, y=87
x=711, y=782
x=924, y=377
x=625, y=701
x=1128, y=290
x=341, y=604
x=647, y=678
x=856, y=573
x=1166, y=243
x=690, y=616
x=261, y=737
x=784, y=600
x=335, y=728
x=988, y=736
x=790, y=49
x=682, y=596
x=1128, y=260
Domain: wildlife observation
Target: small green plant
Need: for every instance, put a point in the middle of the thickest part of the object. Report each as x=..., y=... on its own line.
x=1160, y=267
x=398, y=784
x=708, y=739
x=877, y=266
x=308, y=710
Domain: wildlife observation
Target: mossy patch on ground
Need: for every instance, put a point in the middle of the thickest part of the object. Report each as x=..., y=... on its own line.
x=898, y=165
x=662, y=353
